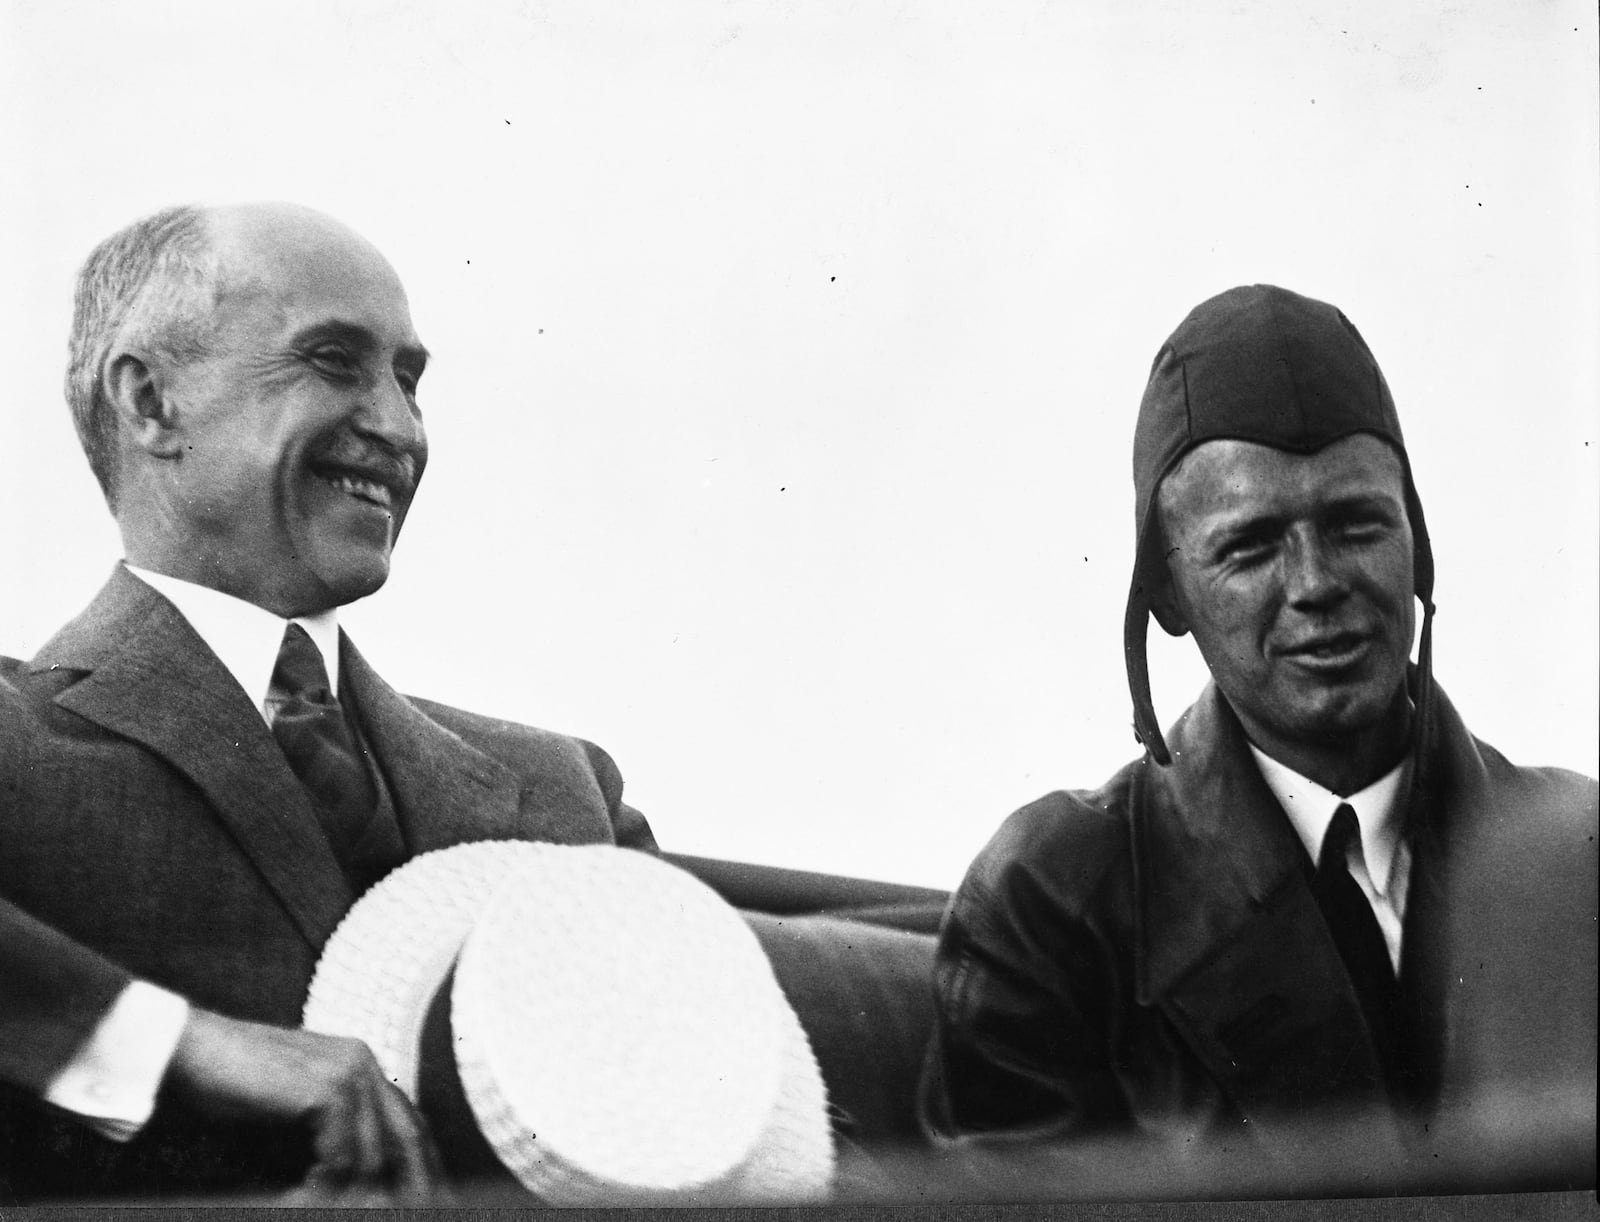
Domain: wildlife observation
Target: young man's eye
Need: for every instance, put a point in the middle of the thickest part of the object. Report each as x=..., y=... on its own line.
x=1361, y=530
x=1245, y=551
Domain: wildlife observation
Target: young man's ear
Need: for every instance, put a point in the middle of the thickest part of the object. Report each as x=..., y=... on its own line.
x=137, y=392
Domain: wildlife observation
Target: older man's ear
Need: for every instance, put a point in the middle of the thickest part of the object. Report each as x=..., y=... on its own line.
x=144, y=406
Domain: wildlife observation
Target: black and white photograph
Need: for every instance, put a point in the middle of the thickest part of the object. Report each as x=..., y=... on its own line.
x=740, y=603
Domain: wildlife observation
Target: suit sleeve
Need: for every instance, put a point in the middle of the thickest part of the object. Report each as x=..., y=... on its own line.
x=630, y=828
x=53, y=995
x=1023, y=1037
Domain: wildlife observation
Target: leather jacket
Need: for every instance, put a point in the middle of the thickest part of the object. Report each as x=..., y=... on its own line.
x=1147, y=957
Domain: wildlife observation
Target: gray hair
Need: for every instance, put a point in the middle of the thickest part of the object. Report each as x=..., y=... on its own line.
x=154, y=284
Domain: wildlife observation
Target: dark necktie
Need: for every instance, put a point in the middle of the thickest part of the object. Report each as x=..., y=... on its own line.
x=321, y=746
x=1361, y=945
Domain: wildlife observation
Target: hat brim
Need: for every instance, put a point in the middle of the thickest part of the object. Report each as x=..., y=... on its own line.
x=384, y=966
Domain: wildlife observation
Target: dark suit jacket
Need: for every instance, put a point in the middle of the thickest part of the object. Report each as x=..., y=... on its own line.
x=147, y=813
x=52, y=992
x=1148, y=957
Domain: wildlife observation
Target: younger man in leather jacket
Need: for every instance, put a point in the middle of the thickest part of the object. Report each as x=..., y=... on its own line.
x=1316, y=895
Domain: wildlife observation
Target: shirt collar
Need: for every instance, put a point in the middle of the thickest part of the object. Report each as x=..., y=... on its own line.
x=243, y=636
x=1310, y=808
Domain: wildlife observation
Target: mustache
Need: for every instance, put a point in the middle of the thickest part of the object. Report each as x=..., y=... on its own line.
x=373, y=459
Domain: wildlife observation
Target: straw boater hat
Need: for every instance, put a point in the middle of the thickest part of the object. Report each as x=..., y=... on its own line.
x=618, y=1034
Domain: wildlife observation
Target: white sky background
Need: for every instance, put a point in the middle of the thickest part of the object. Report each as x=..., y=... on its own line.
x=787, y=355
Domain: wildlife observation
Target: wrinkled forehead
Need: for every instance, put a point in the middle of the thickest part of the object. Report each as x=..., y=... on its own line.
x=1233, y=479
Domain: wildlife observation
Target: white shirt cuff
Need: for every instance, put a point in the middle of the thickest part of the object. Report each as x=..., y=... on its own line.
x=111, y=1082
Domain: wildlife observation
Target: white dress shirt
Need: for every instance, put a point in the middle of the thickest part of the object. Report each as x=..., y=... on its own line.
x=112, y=1080
x=244, y=636
x=1379, y=859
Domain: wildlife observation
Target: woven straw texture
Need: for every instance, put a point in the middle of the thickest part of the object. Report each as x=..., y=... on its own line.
x=619, y=1033
x=384, y=962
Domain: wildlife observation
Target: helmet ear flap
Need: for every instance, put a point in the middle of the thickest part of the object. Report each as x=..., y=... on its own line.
x=1421, y=545
x=1161, y=593
x=1422, y=579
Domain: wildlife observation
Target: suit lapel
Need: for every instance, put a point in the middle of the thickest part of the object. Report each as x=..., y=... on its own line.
x=1232, y=946
x=445, y=790
x=151, y=679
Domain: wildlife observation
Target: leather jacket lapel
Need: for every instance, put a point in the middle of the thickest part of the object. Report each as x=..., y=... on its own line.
x=152, y=680
x=1232, y=946
x=445, y=790
x=1446, y=817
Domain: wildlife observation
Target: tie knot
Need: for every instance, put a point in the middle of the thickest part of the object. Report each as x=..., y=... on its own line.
x=1343, y=828
x=300, y=670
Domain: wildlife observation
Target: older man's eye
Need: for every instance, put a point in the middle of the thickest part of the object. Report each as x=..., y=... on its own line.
x=335, y=359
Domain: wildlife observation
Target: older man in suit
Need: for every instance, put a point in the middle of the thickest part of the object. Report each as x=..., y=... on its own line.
x=200, y=773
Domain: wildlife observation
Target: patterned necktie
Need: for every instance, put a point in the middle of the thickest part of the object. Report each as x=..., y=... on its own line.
x=320, y=745
x=1361, y=945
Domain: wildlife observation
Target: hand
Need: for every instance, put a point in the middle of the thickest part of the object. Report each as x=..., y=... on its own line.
x=367, y=1138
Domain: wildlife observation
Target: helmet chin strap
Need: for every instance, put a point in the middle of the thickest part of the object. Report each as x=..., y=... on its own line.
x=1422, y=727
x=1135, y=631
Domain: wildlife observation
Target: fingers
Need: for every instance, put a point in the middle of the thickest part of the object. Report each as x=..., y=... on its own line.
x=366, y=1135
x=370, y=1139
x=370, y=1136
x=345, y=1142
x=414, y=1163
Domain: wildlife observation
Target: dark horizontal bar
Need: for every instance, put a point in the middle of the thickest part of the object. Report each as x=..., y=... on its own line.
x=785, y=892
